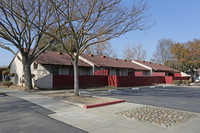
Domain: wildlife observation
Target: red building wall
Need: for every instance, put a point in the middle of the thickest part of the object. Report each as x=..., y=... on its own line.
x=138, y=73
x=158, y=73
x=101, y=72
x=177, y=75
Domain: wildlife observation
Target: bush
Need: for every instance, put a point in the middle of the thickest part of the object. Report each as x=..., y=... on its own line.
x=7, y=83
x=33, y=75
x=5, y=72
x=177, y=82
x=186, y=82
x=2, y=69
x=11, y=74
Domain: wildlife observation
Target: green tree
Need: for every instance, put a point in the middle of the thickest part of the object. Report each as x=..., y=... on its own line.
x=188, y=54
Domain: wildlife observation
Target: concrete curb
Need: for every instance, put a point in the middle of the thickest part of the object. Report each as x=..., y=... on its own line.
x=102, y=104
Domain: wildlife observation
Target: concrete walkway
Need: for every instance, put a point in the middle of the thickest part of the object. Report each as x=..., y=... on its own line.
x=101, y=119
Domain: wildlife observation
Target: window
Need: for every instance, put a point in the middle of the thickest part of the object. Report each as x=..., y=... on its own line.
x=117, y=72
x=71, y=71
x=35, y=66
x=55, y=71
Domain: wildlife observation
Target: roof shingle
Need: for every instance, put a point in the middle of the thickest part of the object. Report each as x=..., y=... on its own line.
x=157, y=67
x=54, y=58
x=105, y=61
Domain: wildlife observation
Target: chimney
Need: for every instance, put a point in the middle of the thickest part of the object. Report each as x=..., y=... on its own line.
x=103, y=56
x=60, y=53
x=124, y=60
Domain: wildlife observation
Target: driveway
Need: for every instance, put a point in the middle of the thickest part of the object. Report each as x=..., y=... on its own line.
x=17, y=115
x=181, y=98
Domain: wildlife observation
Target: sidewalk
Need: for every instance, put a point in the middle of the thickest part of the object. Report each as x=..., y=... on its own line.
x=101, y=119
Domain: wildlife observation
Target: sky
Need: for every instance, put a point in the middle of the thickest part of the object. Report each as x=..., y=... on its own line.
x=175, y=19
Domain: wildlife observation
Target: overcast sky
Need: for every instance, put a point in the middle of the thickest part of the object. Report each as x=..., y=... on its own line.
x=175, y=19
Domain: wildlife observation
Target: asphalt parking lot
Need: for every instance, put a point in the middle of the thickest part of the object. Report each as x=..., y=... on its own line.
x=181, y=98
x=20, y=116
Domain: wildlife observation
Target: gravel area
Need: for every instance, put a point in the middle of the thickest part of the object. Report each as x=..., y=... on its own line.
x=158, y=116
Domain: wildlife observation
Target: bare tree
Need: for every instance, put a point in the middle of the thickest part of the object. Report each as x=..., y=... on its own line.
x=22, y=24
x=136, y=52
x=162, y=54
x=128, y=53
x=44, y=41
x=103, y=48
x=82, y=22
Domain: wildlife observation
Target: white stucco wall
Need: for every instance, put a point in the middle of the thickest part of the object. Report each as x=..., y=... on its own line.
x=89, y=62
x=40, y=72
x=45, y=82
x=184, y=74
x=16, y=67
x=145, y=73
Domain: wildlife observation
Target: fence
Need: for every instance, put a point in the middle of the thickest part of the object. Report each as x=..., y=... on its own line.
x=67, y=81
x=125, y=81
x=181, y=78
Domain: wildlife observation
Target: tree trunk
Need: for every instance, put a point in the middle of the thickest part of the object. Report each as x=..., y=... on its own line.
x=76, y=77
x=27, y=74
x=192, y=75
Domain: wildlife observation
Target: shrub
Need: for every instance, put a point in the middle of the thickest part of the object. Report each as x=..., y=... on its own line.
x=2, y=69
x=33, y=75
x=5, y=72
x=177, y=82
x=11, y=74
x=7, y=83
x=186, y=82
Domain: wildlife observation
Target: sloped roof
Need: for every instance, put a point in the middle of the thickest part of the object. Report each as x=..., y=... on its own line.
x=157, y=67
x=57, y=58
x=105, y=61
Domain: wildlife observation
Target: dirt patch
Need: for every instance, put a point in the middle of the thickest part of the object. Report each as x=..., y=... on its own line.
x=16, y=87
x=82, y=99
x=13, y=87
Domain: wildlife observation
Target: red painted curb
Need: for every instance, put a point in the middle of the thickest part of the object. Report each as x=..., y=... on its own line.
x=102, y=104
